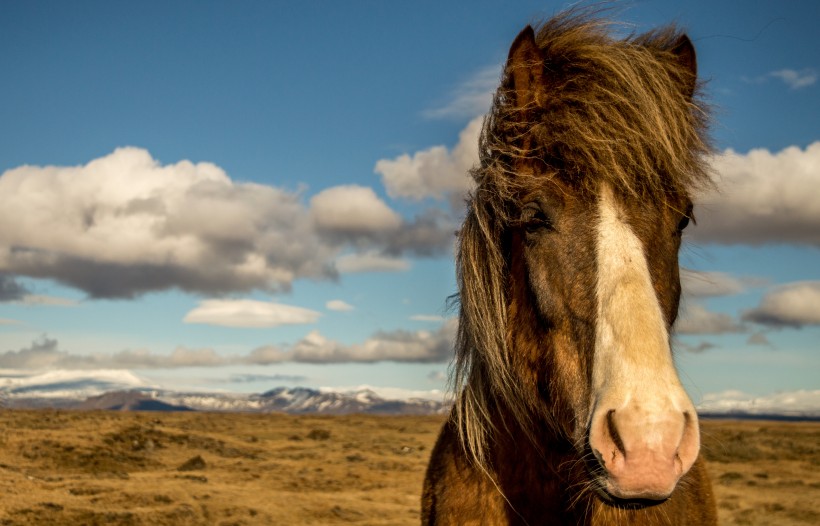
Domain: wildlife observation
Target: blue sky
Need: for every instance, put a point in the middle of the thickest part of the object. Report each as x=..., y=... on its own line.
x=173, y=172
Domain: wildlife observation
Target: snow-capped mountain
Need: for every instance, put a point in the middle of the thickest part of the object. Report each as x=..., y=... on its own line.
x=305, y=400
x=123, y=390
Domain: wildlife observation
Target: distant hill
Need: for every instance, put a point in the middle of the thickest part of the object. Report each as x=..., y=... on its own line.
x=126, y=401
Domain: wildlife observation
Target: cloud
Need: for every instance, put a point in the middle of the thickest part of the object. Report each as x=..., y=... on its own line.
x=398, y=346
x=247, y=313
x=472, y=97
x=7, y=321
x=52, y=301
x=371, y=261
x=804, y=402
x=700, y=284
x=339, y=306
x=125, y=224
x=435, y=172
x=792, y=305
x=796, y=79
x=11, y=289
x=352, y=211
x=696, y=319
x=41, y=354
x=44, y=353
x=763, y=197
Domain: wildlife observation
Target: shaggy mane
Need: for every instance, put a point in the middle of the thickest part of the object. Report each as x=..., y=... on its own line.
x=614, y=110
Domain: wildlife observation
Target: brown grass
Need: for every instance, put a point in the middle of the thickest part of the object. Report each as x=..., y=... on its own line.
x=112, y=468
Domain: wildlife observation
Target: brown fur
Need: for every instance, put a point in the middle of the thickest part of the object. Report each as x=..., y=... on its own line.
x=574, y=109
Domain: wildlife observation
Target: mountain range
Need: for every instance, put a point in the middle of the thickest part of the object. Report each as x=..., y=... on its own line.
x=124, y=391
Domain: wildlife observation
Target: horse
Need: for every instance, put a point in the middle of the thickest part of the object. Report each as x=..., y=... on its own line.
x=569, y=408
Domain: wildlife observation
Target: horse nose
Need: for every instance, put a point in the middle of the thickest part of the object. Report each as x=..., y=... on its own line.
x=643, y=455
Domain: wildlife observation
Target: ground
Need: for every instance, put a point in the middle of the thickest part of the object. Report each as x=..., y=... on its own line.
x=119, y=468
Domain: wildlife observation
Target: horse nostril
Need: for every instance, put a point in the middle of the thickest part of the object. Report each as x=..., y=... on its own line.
x=612, y=429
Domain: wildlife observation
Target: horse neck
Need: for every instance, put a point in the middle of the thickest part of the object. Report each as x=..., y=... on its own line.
x=538, y=479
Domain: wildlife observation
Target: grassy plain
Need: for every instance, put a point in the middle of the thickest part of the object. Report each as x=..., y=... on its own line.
x=110, y=468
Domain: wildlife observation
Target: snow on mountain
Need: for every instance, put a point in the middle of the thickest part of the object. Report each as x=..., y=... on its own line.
x=68, y=388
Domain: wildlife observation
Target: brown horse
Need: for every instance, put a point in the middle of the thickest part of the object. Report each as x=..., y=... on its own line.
x=570, y=408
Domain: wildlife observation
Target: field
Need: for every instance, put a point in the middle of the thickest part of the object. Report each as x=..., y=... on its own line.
x=112, y=468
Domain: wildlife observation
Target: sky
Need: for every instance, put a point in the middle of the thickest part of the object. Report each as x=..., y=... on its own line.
x=239, y=196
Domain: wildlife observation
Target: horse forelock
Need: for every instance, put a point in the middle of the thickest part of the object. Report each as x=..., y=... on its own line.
x=614, y=112
x=619, y=111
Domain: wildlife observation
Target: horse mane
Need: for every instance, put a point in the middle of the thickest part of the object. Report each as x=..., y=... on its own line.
x=623, y=111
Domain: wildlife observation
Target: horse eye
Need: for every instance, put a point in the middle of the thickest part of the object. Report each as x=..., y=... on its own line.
x=533, y=218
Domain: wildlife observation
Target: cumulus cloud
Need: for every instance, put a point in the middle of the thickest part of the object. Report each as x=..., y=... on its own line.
x=796, y=79
x=697, y=319
x=399, y=346
x=435, y=172
x=249, y=313
x=339, y=306
x=763, y=197
x=125, y=224
x=352, y=211
x=792, y=305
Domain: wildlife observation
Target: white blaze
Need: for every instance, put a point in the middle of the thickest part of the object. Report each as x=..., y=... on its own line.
x=633, y=363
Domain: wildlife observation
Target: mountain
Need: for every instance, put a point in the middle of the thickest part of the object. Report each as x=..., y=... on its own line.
x=300, y=400
x=123, y=390
x=126, y=401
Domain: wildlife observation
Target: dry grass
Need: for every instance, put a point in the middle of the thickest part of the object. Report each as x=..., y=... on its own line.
x=238, y=469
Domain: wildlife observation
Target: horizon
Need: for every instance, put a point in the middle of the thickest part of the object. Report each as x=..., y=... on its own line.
x=242, y=199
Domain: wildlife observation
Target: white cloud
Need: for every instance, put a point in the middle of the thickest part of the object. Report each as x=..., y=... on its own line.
x=352, y=209
x=792, y=305
x=796, y=79
x=763, y=197
x=125, y=224
x=370, y=262
x=696, y=319
x=435, y=172
x=803, y=402
x=249, y=313
x=472, y=97
x=339, y=306
x=7, y=321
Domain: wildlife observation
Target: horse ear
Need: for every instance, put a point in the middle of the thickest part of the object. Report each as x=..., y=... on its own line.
x=684, y=51
x=525, y=67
